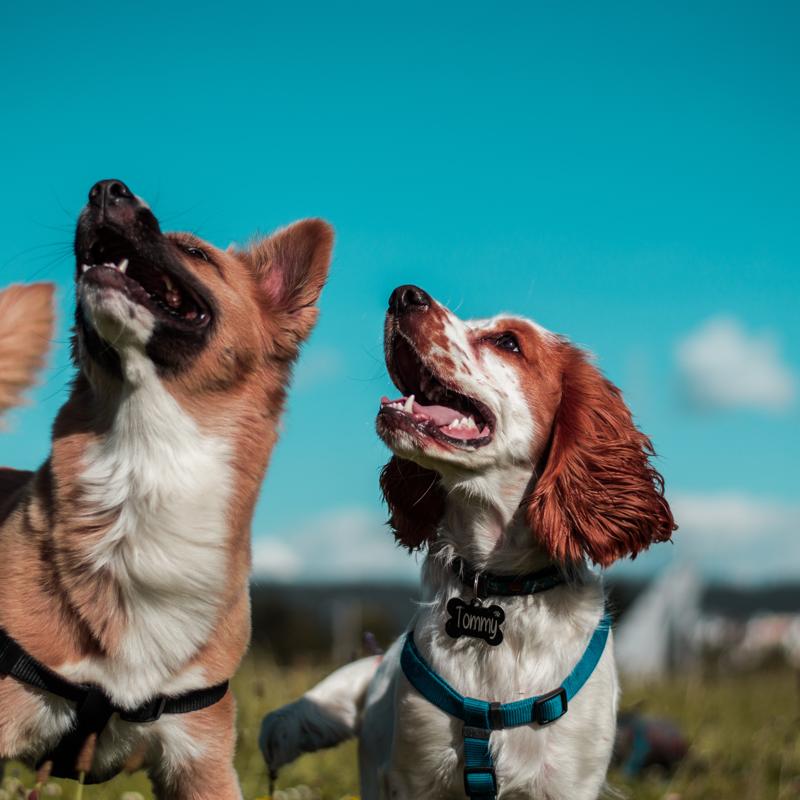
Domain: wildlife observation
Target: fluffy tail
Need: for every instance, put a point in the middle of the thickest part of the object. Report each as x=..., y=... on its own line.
x=26, y=327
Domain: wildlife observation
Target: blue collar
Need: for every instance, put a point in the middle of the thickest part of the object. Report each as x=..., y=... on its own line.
x=481, y=717
x=487, y=584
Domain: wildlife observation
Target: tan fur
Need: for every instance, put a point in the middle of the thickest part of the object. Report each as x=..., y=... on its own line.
x=26, y=326
x=53, y=601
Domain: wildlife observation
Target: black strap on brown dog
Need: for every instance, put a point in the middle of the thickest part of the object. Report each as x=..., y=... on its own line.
x=93, y=707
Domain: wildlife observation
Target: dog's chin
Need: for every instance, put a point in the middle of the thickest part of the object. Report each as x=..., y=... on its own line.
x=118, y=321
x=112, y=325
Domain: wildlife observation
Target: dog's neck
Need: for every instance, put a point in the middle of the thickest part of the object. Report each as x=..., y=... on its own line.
x=483, y=523
x=142, y=499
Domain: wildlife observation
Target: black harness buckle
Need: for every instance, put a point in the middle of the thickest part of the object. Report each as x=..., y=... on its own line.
x=496, y=716
x=148, y=712
x=538, y=712
x=94, y=711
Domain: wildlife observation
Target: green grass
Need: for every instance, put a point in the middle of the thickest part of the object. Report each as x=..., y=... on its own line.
x=745, y=735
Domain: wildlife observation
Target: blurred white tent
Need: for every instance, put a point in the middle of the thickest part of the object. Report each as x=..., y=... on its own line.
x=656, y=635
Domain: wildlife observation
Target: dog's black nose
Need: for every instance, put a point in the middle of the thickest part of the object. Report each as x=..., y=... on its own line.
x=105, y=194
x=409, y=298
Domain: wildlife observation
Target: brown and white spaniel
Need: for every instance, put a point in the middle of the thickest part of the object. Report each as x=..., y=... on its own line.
x=512, y=454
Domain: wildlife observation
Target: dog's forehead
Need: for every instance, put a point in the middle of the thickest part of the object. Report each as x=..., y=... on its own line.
x=500, y=320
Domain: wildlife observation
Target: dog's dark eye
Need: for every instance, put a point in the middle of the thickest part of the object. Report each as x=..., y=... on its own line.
x=196, y=252
x=507, y=341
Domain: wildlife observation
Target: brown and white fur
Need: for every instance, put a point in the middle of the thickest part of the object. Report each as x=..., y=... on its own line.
x=514, y=453
x=124, y=560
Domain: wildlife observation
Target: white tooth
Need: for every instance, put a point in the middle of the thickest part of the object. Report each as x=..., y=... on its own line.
x=409, y=406
x=471, y=423
x=123, y=265
x=456, y=423
x=85, y=267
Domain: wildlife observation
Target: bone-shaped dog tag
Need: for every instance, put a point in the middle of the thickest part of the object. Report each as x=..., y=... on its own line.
x=475, y=620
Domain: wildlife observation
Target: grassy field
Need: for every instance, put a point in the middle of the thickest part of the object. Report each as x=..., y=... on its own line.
x=745, y=734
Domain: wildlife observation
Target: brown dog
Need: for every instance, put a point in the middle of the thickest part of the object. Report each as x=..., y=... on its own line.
x=124, y=559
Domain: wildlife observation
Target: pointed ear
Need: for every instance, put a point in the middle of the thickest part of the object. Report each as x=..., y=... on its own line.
x=598, y=495
x=26, y=328
x=291, y=266
x=415, y=499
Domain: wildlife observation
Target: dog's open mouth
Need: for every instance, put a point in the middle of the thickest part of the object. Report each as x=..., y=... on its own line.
x=429, y=405
x=114, y=263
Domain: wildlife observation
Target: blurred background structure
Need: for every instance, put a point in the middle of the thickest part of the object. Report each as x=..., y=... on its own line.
x=626, y=174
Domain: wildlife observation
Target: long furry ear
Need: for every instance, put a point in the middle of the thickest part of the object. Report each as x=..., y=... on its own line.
x=598, y=495
x=415, y=499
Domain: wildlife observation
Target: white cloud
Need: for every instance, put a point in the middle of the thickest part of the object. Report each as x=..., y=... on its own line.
x=724, y=366
x=339, y=544
x=738, y=536
x=274, y=558
x=318, y=365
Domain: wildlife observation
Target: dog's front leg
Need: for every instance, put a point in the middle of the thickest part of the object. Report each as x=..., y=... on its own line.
x=194, y=781
x=197, y=755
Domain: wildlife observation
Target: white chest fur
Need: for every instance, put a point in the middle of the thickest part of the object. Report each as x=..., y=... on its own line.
x=169, y=485
x=545, y=637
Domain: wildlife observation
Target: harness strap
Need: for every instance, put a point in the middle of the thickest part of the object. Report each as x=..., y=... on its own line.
x=14, y=661
x=480, y=717
x=93, y=707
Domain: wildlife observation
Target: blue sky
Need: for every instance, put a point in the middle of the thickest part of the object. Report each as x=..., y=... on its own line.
x=626, y=174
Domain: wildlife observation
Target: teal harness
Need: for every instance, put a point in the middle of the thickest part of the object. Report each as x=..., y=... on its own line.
x=480, y=717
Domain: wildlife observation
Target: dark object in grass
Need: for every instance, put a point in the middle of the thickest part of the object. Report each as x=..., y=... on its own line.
x=648, y=742
x=371, y=644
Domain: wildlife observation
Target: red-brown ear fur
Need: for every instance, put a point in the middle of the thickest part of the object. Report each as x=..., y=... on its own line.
x=598, y=495
x=415, y=499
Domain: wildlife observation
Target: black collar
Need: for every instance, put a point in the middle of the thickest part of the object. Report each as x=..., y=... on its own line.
x=487, y=584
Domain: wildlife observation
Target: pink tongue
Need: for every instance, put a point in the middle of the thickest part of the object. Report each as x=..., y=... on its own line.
x=439, y=415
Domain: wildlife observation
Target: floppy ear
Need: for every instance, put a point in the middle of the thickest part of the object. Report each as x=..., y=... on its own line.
x=598, y=494
x=291, y=266
x=415, y=499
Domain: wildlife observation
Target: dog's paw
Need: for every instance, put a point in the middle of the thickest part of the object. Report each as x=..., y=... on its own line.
x=297, y=728
x=281, y=736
